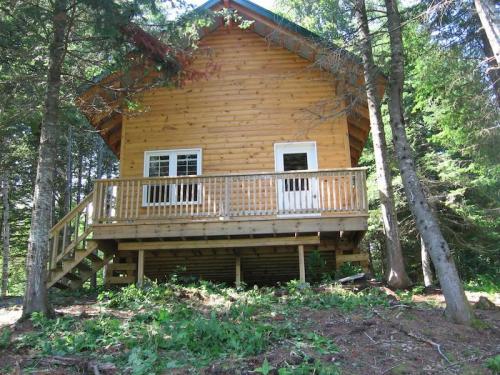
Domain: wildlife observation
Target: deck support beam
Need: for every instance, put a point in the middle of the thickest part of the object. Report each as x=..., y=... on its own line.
x=140, y=268
x=302, y=268
x=238, y=271
x=209, y=244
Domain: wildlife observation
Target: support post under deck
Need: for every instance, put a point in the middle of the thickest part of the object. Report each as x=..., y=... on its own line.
x=140, y=268
x=238, y=271
x=302, y=268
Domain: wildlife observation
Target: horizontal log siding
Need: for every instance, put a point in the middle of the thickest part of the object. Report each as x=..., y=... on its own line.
x=260, y=95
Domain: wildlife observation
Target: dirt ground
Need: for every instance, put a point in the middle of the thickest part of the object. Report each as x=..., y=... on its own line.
x=402, y=339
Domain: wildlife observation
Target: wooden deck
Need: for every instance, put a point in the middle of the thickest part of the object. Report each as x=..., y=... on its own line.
x=334, y=192
x=149, y=226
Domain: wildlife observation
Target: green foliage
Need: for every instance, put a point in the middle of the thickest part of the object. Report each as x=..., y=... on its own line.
x=493, y=364
x=348, y=269
x=265, y=369
x=337, y=297
x=328, y=18
x=315, y=266
x=133, y=297
x=453, y=117
x=5, y=335
x=310, y=367
x=321, y=344
x=142, y=361
x=483, y=283
x=452, y=124
x=168, y=325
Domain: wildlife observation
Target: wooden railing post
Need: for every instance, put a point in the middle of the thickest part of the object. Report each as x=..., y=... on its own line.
x=227, y=198
x=54, y=249
x=332, y=191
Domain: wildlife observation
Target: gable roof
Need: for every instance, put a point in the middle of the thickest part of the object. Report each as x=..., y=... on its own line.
x=276, y=29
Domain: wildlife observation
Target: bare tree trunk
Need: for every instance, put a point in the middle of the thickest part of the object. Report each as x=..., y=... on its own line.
x=5, y=235
x=79, y=177
x=493, y=69
x=396, y=276
x=98, y=174
x=36, y=298
x=457, y=306
x=426, y=264
x=69, y=171
x=491, y=25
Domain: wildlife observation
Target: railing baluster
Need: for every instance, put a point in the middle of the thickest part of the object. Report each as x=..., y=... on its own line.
x=242, y=195
x=346, y=191
x=273, y=205
x=351, y=190
x=252, y=194
x=216, y=212
x=265, y=197
x=330, y=187
x=127, y=197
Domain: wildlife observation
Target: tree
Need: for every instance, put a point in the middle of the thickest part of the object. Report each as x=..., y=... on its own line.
x=88, y=38
x=457, y=306
x=396, y=276
x=456, y=24
x=5, y=234
x=452, y=126
x=489, y=19
x=35, y=298
x=426, y=264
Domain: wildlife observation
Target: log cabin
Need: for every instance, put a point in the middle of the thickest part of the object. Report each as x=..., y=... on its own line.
x=244, y=175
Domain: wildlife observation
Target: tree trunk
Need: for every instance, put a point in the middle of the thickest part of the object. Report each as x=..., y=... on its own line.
x=5, y=235
x=457, y=306
x=79, y=177
x=396, y=276
x=36, y=298
x=69, y=171
x=98, y=174
x=426, y=265
x=493, y=69
x=489, y=20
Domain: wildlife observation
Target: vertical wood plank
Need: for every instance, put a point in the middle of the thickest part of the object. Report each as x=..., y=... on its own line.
x=238, y=271
x=302, y=267
x=140, y=268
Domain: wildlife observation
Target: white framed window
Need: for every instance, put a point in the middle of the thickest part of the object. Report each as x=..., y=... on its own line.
x=172, y=163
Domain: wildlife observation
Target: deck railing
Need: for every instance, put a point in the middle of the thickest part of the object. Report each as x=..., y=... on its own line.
x=323, y=192
x=71, y=232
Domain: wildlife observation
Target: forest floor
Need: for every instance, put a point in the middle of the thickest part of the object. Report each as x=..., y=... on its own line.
x=209, y=329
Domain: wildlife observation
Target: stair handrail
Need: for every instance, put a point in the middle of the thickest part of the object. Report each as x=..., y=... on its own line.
x=85, y=201
x=58, y=250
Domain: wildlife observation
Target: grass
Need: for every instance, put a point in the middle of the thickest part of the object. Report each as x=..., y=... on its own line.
x=172, y=326
x=483, y=283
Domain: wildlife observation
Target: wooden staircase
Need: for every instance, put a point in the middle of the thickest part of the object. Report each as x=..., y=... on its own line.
x=73, y=255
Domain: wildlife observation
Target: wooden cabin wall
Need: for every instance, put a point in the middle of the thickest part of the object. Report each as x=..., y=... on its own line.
x=261, y=94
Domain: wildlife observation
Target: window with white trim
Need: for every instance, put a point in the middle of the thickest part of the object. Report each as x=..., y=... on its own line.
x=171, y=163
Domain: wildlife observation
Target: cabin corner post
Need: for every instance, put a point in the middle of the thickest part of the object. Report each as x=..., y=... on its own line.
x=140, y=268
x=302, y=267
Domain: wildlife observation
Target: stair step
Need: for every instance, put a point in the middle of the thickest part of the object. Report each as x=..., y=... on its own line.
x=84, y=267
x=56, y=267
x=61, y=285
x=68, y=258
x=94, y=258
x=72, y=276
